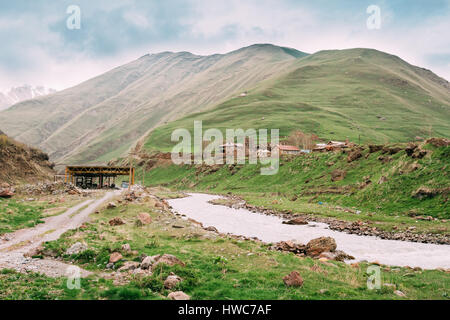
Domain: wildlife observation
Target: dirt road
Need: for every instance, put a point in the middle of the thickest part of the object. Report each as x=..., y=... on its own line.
x=22, y=241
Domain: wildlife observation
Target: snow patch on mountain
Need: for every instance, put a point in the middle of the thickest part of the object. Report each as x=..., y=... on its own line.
x=25, y=92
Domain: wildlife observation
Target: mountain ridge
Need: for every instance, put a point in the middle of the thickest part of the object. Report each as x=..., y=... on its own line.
x=142, y=93
x=358, y=94
x=103, y=117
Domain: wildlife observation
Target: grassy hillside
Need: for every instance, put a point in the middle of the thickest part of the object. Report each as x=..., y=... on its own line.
x=381, y=185
x=101, y=118
x=356, y=94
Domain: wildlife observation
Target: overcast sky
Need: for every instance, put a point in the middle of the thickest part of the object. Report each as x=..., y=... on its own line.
x=38, y=48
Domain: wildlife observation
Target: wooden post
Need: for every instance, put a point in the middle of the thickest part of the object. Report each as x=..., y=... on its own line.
x=129, y=179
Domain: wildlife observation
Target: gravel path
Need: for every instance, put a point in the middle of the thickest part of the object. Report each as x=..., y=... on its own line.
x=22, y=241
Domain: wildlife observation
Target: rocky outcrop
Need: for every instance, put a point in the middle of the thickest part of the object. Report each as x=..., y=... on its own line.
x=20, y=163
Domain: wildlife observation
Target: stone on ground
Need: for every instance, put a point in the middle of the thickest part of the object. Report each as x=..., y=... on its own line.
x=144, y=218
x=178, y=295
x=293, y=279
x=114, y=257
x=171, y=281
x=116, y=222
x=168, y=259
x=76, y=248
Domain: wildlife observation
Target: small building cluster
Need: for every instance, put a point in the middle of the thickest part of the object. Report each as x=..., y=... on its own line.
x=230, y=148
x=319, y=147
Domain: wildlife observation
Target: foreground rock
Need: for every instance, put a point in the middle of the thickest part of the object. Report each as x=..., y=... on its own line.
x=77, y=248
x=144, y=219
x=169, y=260
x=171, y=281
x=321, y=248
x=148, y=261
x=293, y=279
x=129, y=266
x=323, y=244
x=337, y=255
x=290, y=246
x=178, y=295
x=6, y=193
x=116, y=222
x=111, y=205
x=115, y=257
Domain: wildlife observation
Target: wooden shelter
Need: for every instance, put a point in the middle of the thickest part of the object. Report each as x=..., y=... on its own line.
x=86, y=176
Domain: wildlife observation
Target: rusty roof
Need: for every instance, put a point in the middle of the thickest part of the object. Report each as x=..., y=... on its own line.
x=288, y=148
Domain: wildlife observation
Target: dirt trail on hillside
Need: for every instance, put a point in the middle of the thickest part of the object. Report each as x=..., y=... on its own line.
x=22, y=241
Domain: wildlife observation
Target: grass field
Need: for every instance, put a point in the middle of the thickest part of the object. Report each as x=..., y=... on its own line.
x=307, y=179
x=19, y=213
x=216, y=267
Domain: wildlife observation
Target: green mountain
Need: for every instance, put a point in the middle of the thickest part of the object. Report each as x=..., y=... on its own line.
x=101, y=118
x=360, y=94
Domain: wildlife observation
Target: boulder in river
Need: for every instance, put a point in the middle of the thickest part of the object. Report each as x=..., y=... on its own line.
x=296, y=221
x=323, y=244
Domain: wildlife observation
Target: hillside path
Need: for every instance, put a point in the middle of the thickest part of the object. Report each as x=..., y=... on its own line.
x=22, y=241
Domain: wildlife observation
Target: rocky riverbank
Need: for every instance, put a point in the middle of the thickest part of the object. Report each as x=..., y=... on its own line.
x=356, y=227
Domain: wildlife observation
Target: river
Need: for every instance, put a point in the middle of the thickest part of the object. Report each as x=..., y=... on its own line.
x=270, y=229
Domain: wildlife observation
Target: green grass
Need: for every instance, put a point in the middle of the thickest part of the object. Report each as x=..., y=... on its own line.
x=308, y=177
x=15, y=215
x=216, y=268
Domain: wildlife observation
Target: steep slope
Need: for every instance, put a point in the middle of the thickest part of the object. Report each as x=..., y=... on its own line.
x=20, y=163
x=359, y=94
x=101, y=118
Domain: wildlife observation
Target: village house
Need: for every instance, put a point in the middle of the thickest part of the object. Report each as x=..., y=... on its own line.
x=286, y=149
x=330, y=146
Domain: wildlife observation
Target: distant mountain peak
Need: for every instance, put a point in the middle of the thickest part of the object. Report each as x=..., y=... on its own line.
x=22, y=93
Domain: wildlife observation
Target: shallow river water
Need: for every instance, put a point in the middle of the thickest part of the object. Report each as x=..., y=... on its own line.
x=270, y=229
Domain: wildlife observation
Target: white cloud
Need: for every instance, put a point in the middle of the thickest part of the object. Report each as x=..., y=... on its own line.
x=213, y=27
